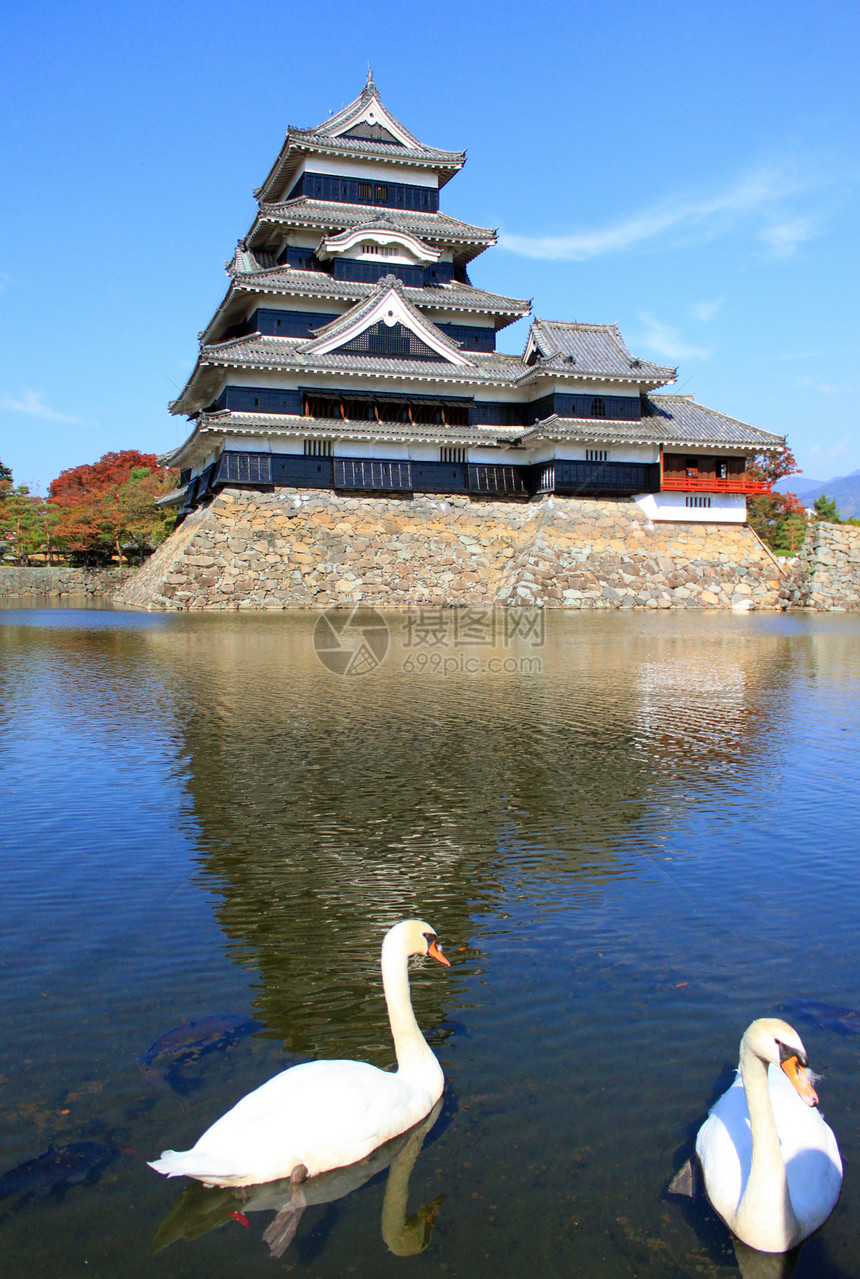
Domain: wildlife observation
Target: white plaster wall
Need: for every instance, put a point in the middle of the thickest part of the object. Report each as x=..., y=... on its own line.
x=725, y=508
x=475, y=318
x=396, y=450
x=617, y=452
x=372, y=172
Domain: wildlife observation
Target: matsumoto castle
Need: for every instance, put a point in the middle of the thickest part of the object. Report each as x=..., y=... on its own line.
x=352, y=352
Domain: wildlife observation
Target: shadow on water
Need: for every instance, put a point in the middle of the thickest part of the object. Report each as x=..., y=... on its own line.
x=200, y=1209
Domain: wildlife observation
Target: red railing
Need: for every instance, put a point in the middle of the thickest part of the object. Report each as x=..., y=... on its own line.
x=713, y=484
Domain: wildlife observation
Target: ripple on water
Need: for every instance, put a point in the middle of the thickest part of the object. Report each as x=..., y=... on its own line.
x=629, y=853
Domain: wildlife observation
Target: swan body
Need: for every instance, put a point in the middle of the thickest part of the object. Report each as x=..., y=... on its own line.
x=326, y=1114
x=770, y=1163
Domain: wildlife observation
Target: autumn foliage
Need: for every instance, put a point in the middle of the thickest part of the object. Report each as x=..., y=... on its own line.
x=779, y=518
x=94, y=512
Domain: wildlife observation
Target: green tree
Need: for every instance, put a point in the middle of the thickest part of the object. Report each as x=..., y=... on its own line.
x=778, y=518
x=28, y=523
x=137, y=519
x=826, y=510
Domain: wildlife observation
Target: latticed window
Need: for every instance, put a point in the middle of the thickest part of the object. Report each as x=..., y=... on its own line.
x=598, y=407
x=317, y=448
x=365, y=191
x=396, y=340
x=597, y=455
x=695, y=499
x=453, y=455
x=381, y=192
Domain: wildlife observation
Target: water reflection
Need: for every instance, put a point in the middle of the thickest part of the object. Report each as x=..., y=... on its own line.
x=199, y=1209
x=329, y=808
x=627, y=854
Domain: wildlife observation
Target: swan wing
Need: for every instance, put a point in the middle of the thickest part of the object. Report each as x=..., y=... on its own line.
x=324, y=1115
x=724, y=1147
x=813, y=1166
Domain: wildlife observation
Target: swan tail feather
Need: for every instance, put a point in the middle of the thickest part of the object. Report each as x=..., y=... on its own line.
x=190, y=1163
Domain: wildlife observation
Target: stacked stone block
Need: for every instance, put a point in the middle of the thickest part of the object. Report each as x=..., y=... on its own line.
x=308, y=549
x=826, y=574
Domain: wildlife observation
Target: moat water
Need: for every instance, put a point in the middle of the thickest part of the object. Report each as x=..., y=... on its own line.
x=634, y=834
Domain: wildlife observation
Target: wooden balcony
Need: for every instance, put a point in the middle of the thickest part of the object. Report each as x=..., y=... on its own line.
x=713, y=484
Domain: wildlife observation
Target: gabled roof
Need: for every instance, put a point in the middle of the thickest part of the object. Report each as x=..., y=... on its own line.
x=365, y=129
x=582, y=350
x=380, y=231
x=329, y=215
x=389, y=306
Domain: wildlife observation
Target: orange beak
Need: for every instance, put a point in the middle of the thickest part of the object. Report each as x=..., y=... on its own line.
x=435, y=950
x=798, y=1077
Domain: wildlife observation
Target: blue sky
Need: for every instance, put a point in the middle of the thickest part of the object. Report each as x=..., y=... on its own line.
x=688, y=171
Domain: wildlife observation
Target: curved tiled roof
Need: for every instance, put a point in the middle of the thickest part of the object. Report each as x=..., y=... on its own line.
x=456, y=296
x=678, y=418
x=260, y=352
x=669, y=420
x=330, y=215
x=569, y=347
x=291, y=427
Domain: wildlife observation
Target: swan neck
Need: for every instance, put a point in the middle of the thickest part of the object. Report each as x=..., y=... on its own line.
x=410, y=1045
x=766, y=1196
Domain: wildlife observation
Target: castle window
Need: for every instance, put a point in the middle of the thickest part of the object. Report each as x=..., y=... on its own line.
x=381, y=192
x=365, y=191
x=317, y=448
x=694, y=499
x=597, y=455
x=453, y=455
x=598, y=407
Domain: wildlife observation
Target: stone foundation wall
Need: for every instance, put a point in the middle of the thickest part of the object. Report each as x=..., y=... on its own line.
x=308, y=549
x=826, y=573
x=60, y=582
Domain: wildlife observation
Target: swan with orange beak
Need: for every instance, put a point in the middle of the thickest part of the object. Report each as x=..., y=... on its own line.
x=770, y=1163
x=326, y=1114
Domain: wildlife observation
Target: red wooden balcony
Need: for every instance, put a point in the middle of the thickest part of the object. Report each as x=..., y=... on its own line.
x=713, y=484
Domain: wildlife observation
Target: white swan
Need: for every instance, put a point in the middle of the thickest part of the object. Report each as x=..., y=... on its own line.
x=770, y=1163
x=326, y=1114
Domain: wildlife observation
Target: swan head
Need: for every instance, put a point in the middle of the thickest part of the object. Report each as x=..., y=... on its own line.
x=414, y=937
x=777, y=1043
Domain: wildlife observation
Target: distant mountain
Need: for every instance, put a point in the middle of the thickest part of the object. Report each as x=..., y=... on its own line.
x=844, y=489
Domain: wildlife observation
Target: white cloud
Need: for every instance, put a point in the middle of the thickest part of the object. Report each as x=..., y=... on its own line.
x=782, y=238
x=817, y=450
x=31, y=405
x=754, y=195
x=706, y=311
x=666, y=340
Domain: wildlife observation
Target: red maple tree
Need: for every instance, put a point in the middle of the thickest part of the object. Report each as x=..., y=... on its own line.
x=79, y=485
